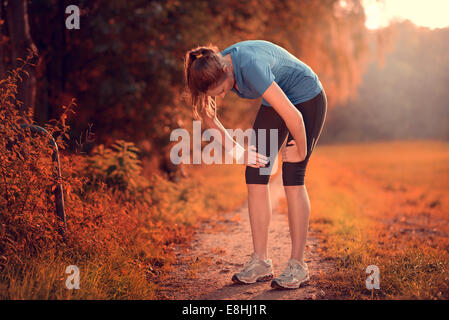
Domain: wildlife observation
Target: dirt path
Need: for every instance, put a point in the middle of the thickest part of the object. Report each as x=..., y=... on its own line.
x=204, y=270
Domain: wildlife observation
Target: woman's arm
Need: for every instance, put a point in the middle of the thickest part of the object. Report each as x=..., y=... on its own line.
x=214, y=123
x=291, y=116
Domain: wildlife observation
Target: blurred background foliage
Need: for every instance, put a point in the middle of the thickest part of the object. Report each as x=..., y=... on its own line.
x=124, y=66
x=403, y=98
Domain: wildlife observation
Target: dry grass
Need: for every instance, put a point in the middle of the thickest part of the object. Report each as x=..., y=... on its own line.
x=384, y=204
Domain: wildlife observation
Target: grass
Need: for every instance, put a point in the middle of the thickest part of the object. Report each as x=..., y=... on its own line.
x=383, y=204
x=380, y=203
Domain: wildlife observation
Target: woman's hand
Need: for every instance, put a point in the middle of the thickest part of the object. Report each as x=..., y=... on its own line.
x=290, y=153
x=254, y=159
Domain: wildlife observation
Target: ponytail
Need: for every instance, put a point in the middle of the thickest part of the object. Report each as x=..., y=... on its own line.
x=203, y=69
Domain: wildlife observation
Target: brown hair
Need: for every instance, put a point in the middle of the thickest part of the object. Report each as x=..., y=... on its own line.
x=203, y=69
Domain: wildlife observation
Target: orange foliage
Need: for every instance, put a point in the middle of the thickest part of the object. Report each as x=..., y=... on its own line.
x=120, y=225
x=27, y=177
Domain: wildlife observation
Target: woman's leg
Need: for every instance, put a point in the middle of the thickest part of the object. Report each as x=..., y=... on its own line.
x=293, y=173
x=298, y=219
x=259, y=203
x=259, y=207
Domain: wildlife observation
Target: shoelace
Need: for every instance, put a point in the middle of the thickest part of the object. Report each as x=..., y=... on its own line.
x=288, y=271
x=250, y=264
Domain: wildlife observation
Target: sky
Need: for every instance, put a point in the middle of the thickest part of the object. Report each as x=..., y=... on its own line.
x=427, y=13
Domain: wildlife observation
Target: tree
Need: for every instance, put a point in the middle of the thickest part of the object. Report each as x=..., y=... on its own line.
x=2, y=50
x=21, y=43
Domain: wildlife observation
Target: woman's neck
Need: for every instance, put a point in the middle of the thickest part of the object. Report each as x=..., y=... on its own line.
x=231, y=67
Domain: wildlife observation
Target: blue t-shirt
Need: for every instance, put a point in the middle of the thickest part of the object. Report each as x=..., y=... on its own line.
x=258, y=62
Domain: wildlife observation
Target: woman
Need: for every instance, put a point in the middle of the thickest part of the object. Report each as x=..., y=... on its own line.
x=294, y=102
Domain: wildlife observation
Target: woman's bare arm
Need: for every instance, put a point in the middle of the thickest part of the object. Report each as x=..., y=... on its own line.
x=214, y=123
x=225, y=137
x=291, y=116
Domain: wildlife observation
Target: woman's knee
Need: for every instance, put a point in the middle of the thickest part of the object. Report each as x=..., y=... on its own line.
x=293, y=173
x=255, y=176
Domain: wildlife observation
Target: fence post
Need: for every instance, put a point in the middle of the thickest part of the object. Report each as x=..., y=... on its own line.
x=59, y=196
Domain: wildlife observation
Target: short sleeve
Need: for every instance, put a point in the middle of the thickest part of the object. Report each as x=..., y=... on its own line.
x=258, y=76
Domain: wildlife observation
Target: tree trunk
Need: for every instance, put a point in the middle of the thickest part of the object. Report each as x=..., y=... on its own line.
x=2, y=53
x=19, y=32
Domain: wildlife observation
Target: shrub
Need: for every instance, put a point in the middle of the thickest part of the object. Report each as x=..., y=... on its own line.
x=27, y=178
x=118, y=166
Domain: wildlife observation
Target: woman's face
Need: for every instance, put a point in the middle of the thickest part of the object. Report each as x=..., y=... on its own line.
x=225, y=86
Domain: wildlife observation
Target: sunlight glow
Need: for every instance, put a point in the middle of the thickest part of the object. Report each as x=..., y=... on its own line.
x=427, y=13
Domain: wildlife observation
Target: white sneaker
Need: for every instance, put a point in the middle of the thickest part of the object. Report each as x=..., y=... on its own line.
x=293, y=277
x=255, y=270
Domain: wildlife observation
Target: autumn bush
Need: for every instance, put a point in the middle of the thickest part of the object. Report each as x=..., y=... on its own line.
x=118, y=166
x=121, y=228
x=27, y=178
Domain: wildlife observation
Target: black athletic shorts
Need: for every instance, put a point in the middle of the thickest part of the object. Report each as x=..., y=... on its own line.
x=314, y=114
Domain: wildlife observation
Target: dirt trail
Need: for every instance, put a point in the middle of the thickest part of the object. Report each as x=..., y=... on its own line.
x=216, y=256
